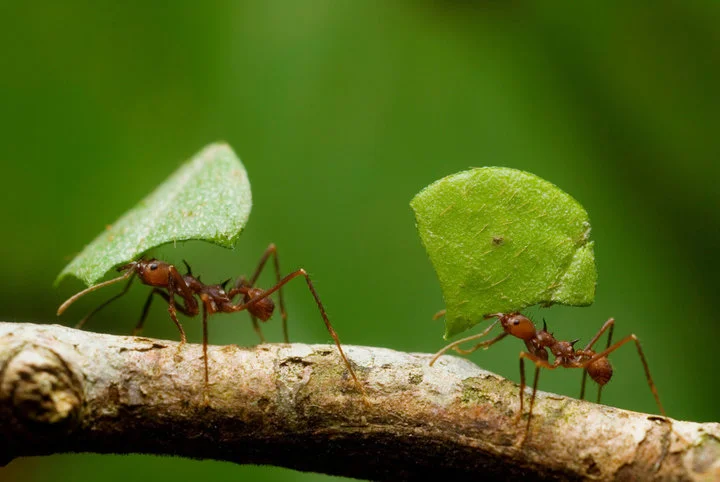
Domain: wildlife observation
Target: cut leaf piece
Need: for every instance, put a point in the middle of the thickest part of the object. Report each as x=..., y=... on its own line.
x=208, y=198
x=501, y=240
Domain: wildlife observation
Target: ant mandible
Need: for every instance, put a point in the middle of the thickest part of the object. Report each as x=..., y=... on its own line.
x=538, y=342
x=167, y=283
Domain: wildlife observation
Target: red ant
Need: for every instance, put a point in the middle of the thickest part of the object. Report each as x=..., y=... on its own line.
x=167, y=283
x=538, y=342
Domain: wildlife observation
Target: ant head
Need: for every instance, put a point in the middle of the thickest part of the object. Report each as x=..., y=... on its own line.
x=517, y=325
x=153, y=272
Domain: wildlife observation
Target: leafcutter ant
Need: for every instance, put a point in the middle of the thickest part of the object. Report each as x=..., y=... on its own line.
x=538, y=342
x=167, y=282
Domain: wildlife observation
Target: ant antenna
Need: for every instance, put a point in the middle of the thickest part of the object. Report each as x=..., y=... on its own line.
x=74, y=297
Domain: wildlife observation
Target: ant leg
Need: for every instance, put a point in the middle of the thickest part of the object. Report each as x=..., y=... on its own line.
x=172, y=309
x=190, y=307
x=484, y=344
x=146, y=309
x=522, y=387
x=522, y=396
x=582, y=385
x=82, y=322
x=608, y=324
x=609, y=342
x=256, y=327
x=524, y=355
x=539, y=363
x=272, y=251
x=328, y=325
x=617, y=345
x=532, y=401
x=243, y=283
x=206, y=386
x=464, y=340
x=439, y=314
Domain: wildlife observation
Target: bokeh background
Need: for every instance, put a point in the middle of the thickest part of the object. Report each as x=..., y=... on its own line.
x=341, y=112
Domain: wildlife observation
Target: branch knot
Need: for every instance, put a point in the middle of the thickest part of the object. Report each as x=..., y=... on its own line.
x=43, y=392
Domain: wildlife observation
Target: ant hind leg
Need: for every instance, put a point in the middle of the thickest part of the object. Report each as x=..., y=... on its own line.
x=609, y=324
x=617, y=345
x=272, y=251
x=256, y=327
x=241, y=283
x=609, y=343
x=323, y=313
x=582, y=385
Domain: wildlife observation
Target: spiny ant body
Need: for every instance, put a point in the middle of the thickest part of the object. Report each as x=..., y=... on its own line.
x=168, y=283
x=539, y=342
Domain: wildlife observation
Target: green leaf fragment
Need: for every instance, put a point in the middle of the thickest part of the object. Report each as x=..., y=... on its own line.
x=501, y=240
x=208, y=198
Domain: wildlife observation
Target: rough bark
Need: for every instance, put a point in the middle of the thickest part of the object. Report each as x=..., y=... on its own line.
x=64, y=390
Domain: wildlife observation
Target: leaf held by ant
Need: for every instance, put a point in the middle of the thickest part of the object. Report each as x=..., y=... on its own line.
x=501, y=240
x=208, y=198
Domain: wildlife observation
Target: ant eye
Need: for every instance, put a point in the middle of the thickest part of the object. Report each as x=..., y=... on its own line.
x=153, y=267
x=516, y=322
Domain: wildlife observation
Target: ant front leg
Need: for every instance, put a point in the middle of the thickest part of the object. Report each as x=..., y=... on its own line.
x=146, y=310
x=456, y=344
x=323, y=313
x=176, y=285
x=539, y=362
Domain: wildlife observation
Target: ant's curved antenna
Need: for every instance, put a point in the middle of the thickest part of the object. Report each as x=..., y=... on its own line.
x=129, y=272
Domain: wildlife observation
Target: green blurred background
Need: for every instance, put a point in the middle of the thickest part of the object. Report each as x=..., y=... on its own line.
x=341, y=112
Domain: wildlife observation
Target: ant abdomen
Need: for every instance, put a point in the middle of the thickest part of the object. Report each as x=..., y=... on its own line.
x=600, y=371
x=262, y=309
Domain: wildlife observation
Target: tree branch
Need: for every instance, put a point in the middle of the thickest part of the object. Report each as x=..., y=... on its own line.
x=64, y=390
